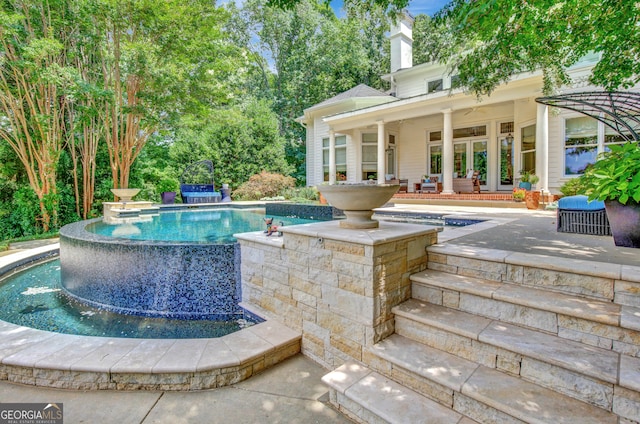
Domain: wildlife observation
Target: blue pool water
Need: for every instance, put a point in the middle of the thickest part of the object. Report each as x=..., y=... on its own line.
x=194, y=225
x=34, y=298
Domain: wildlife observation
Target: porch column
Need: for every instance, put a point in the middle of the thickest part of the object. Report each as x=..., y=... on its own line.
x=542, y=147
x=447, y=152
x=332, y=157
x=381, y=156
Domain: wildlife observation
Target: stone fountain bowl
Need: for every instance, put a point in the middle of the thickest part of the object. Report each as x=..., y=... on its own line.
x=357, y=201
x=125, y=194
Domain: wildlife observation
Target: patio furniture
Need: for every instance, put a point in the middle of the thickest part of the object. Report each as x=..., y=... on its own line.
x=404, y=185
x=577, y=215
x=431, y=185
x=196, y=184
x=463, y=185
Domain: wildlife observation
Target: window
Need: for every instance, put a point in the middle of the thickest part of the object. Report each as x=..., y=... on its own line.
x=369, y=156
x=580, y=144
x=611, y=137
x=435, y=159
x=528, y=148
x=341, y=158
x=433, y=86
x=479, y=130
x=455, y=81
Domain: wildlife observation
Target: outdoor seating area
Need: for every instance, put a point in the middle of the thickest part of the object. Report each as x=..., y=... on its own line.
x=467, y=184
x=197, y=184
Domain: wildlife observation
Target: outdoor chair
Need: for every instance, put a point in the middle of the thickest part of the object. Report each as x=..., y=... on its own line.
x=431, y=185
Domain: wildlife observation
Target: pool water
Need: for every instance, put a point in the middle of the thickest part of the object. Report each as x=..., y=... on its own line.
x=34, y=298
x=194, y=225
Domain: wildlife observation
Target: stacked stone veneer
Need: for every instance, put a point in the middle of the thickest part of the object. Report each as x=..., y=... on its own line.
x=336, y=286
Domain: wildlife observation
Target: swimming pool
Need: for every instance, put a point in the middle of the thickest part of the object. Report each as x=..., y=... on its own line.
x=34, y=298
x=216, y=225
x=180, y=264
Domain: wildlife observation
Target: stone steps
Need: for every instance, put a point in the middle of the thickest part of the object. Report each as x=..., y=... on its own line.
x=583, y=372
x=502, y=337
x=477, y=391
x=369, y=397
x=591, y=321
x=610, y=282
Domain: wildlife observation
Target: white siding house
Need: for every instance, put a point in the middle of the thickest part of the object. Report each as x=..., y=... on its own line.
x=426, y=126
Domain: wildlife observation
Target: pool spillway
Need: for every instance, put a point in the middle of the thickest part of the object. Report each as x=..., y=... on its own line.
x=150, y=278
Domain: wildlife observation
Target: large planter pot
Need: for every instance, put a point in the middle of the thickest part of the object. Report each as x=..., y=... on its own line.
x=532, y=199
x=357, y=201
x=525, y=185
x=168, y=197
x=624, y=221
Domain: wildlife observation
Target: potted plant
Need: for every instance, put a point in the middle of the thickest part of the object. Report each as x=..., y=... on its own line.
x=528, y=178
x=518, y=194
x=615, y=179
x=167, y=188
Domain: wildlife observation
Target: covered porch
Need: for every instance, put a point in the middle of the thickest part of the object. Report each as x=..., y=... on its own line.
x=444, y=134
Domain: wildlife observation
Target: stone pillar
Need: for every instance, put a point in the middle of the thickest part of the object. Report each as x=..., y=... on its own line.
x=332, y=157
x=382, y=169
x=447, y=152
x=336, y=286
x=542, y=147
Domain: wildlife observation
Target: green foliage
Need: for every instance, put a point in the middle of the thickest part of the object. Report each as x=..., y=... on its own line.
x=573, y=186
x=241, y=141
x=497, y=39
x=24, y=213
x=263, y=185
x=301, y=194
x=616, y=175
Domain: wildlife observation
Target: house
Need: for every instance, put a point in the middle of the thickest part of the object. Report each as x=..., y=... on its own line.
x=425, y=125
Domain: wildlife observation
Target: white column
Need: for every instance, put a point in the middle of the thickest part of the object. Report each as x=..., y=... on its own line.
x=447, y=153
x=542, y=147
x=381, y=157
x=332, y=157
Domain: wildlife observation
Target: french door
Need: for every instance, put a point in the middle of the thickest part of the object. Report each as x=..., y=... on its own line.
x=470, y=154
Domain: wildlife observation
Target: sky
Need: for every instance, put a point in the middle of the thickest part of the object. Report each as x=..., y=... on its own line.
x=416, y=7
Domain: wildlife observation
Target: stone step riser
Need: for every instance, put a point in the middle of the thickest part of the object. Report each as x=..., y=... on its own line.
x=619, y=284
x=618, y=339
x=578, y=386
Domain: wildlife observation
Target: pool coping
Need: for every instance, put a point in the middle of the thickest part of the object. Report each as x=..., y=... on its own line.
x=48, y=359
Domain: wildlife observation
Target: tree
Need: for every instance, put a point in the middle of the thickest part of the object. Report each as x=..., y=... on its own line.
x=305, y=54
x=500, y=38
x=160, y=60
x=241, y=141
x=35, y=83
x=393, y=5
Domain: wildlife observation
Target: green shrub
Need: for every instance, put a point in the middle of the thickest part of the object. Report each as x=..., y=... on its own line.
x=573, y=186
x=263, y=185
x=301, y=194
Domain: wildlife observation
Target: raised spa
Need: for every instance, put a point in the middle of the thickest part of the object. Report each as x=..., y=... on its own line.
x=162, y=274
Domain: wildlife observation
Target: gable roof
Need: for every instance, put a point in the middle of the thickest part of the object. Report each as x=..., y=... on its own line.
x=360, y=90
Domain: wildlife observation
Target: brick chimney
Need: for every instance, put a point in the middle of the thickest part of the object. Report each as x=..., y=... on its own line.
x=401, y=38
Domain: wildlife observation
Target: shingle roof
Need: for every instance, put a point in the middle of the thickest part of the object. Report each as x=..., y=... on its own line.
x=361, y=90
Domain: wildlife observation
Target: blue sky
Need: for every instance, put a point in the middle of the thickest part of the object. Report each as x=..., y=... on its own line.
x=416, y=7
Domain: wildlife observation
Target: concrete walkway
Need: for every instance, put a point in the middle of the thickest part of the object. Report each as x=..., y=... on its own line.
x=290, y=392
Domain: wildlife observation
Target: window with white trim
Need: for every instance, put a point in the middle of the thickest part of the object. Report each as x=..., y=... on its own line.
x=341, y=158
x=435, y=85
x=528, y=148
x=369, y=156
